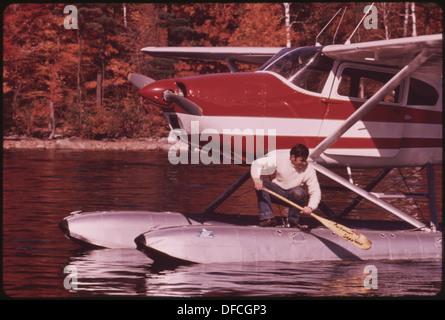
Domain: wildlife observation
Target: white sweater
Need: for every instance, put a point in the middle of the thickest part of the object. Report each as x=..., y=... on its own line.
x=286, y=175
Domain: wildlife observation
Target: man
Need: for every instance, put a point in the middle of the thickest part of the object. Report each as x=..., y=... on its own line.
x=292, y=173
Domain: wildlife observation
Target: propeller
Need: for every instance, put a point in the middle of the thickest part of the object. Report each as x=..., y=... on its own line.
x=168, y=96
x=139, y=80
x=187, y=105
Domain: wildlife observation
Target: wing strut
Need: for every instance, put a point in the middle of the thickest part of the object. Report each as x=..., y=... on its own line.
x=367, y=195
x=422, y=57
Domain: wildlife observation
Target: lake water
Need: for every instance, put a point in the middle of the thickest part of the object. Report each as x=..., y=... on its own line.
x=40, y=188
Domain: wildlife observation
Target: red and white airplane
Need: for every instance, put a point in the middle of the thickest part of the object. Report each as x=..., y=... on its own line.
x=363, y=105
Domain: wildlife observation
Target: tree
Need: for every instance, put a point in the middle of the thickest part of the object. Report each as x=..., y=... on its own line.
x=74, y=81
x=40, y=66
x=258, y=29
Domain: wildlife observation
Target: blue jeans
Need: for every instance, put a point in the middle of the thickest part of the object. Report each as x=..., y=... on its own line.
x=265, y=199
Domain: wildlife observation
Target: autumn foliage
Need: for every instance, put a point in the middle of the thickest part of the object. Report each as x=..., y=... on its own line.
x=79, y=76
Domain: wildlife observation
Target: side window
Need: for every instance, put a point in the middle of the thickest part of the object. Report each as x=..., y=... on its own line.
x=421, y=93
x=363, y=84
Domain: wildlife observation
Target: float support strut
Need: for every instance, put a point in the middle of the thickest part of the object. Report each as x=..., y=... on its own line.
x=432, y=195
x=229, y=191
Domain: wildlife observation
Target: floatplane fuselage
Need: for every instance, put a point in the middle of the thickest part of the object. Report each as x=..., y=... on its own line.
x=304, y=96
x=369, y=105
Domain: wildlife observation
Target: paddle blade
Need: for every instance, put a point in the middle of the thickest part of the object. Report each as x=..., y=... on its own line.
x=357, y=239
x=350, y=235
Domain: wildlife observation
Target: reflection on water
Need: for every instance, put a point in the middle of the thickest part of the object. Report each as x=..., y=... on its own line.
x=130, y=273
x=288, y=280
x=109, y=271
x=42, y=187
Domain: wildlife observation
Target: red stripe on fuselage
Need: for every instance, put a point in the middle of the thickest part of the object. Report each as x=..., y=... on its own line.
x=340, y=110
x=362, y=143
x=287, y=142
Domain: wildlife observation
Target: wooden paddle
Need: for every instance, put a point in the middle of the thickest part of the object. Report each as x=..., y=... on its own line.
x=346, y=233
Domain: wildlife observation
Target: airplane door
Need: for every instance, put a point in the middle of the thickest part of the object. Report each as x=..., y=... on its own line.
x=379, y=134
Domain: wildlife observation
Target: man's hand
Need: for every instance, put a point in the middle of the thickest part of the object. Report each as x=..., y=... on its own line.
x=306, y=210
x=258, y=183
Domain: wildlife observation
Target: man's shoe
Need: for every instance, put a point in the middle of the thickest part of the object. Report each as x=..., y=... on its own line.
x=299, y=226
x=268, y=223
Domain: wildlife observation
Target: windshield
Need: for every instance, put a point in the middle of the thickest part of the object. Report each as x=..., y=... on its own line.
x=305, y=67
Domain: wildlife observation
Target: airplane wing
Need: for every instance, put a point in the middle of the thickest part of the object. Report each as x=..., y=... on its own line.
x=250, y=55
x=391, y=53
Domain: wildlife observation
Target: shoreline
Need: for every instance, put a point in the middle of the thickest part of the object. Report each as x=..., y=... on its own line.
x=74, y=143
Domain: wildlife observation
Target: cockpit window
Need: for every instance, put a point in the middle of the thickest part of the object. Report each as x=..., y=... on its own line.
x=307, y=68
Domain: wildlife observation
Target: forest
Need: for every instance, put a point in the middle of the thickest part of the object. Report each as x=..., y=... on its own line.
x=65, y=82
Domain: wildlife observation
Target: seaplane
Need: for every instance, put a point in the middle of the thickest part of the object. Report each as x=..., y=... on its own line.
x=374, y=104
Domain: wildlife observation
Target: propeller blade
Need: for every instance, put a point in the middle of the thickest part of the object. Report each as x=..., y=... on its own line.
x=139, y=80
x=184, y=103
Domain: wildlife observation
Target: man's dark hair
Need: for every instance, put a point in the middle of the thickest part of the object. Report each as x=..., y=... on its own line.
x=299, y=150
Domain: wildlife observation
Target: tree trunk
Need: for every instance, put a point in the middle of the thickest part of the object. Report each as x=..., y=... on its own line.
x=102, y=90
x=124, y=9
x=405, y=21
x=288, y=25
x=99, y=88
x=53, y=122
x=79, y=74
x=385, y=19
x=413, y=16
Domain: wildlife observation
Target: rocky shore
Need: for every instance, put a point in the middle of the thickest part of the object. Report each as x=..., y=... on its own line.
x=10, y=143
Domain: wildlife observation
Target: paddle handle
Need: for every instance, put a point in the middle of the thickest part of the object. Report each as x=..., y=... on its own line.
x=284, y=199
